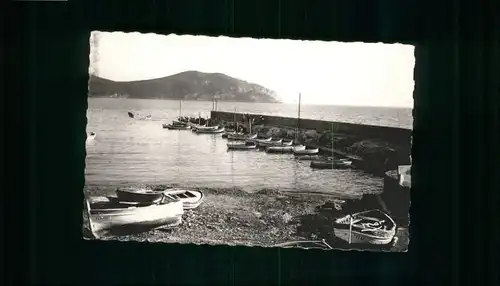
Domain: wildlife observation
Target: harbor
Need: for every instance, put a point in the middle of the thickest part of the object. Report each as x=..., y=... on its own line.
x=319, y=176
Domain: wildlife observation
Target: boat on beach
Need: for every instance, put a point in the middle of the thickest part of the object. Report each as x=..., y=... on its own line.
x=242, y=146
x=138, y=195
x=306, y=244
x=367, y=227
x=108, y=218
x=331, y=164
x=210, y=131
x=306, y=151
x=190, y=199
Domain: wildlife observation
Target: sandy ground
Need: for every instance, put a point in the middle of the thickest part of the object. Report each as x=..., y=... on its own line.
x=265, y=218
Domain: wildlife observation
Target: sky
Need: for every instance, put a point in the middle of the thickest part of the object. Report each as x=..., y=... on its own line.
x=325, y=73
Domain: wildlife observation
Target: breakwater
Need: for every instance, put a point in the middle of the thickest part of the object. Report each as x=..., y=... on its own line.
x=392, y=135
x=375, y=149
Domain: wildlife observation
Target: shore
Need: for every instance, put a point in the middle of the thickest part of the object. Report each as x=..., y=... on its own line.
x=264, y=218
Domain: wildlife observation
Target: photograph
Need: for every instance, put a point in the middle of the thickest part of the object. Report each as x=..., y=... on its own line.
x=256, y=142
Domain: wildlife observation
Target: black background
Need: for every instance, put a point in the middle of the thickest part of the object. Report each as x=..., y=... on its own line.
x=454, y=213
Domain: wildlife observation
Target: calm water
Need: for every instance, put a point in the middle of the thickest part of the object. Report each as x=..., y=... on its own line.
x=131, y=151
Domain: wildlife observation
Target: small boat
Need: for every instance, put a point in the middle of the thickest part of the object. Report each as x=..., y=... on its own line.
x=272, y=142
x=299, y=147
x=227, y=133
x=279, y=149
x=307, y=157
x=138, y=195
x=331, y=164
x=130, y=114
x=259, y=141
x=367, y=227
x=241, y=136
x=306, y=244
x=108, y=218
x=176, y=127
x=210, y=131
x=190, y=199
x=307, y=150
x=287, y=142
x=242, y=146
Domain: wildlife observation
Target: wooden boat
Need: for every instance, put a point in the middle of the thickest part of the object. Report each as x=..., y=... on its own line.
x=227, y=133
x=210, y=131
x=107, y=218
x=241, y=136
x=306, y=150
x=259, y=141
x=367, y=227
x=299, y=147
x=138, y=195
x=306, y=244
x=176, y=127
x=242, y=146
x=190, y=199
x=331, y=164
x=272, y=142
x=308, y=157
x=279, y=149
x=287, y=142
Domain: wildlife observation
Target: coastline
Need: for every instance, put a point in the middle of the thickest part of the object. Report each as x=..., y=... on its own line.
x=265, y=218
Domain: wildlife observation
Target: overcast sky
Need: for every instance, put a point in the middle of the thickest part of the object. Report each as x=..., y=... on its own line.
x=332, y=73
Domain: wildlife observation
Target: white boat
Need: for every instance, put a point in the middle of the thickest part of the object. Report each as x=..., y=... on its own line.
x=241, y=136
x=271, y=142
x=306, y=151
x=367, y=227
x=299, y=147
x=279, y=149
x=190, y=199
x=287, y=142
x=242, y=146
x=108, y=218
x=306, y=244
x=259, y=141
x=210, y=131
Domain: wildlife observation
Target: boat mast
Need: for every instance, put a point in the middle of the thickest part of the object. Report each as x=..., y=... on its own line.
x=234, y=121
x=298, y=118
x=180, y=108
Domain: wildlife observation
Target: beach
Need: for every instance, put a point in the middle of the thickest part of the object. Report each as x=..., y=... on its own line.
x=229, y=216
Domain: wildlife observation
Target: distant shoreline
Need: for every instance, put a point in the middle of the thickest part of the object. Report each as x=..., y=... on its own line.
x=283, y=103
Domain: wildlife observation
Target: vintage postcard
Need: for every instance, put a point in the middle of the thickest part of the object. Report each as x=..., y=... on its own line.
x=256, y=142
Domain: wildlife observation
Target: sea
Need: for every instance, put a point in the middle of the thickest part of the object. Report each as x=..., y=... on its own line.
x=133, y=151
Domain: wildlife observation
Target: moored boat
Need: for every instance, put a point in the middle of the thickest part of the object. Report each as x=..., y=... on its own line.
x=242, y=146
x=259, y=141
x=107, y=218
x=308, y=157
x=306, y=151
x=210, y=131
x=299, y=147
x=138, y=195
x=367, y=227
x=279, y=149
x=189, y=198
x=241, y=136
x=176, y=127
x=331, y=164
x=287, y=142
x=272, y=142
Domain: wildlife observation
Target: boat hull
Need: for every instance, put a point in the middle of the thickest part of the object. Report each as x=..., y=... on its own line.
x=241, y=146
x=241, y=137
x=210, y=131
x=306, y=151
x=330, y=164
x=190, y=199
x=106, y=222
x=140, y=196
x=363, y=230
x=279, y=149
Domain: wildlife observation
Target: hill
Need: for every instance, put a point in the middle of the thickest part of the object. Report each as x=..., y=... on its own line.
x=189, y=85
